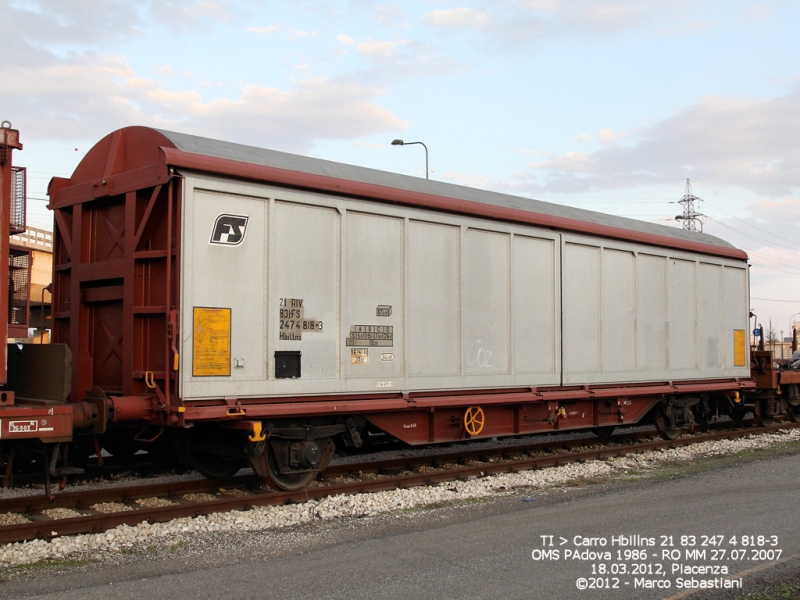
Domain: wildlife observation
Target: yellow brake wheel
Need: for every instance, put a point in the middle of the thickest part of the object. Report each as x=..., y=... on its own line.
x=474, y=420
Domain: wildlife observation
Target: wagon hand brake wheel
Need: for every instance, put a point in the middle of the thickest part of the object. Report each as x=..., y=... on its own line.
x=474, y=420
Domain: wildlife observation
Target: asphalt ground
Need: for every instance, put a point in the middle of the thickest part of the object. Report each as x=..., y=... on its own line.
x=487, y=549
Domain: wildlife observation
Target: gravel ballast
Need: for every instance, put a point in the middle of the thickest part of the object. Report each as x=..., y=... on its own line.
x=146, y=535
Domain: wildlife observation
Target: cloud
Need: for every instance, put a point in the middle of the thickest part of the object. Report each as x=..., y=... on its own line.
x=784, y=210
x=768, y=231
x=526, y=151
x=384, y=49
x=606, y=16
x=751, y=143
x=37, y=33
x=48, y=23
x=302, y=33
x=398, y=59
x=61, y=79
x=517, y=22
x=270, y=29
x=60, y=82
x=68, y=21
x=461, y=18
x=314, y=109
x=184, y=14
x=381, y=49
x=757, y=11
x=540, y=5
x=391, y=16
x=607, y=136
x=768, y=222
x=87, y=97
x=690, y=27
x=584, y=137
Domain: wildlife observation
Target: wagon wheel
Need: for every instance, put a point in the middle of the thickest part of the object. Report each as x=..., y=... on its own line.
x=794, y=413
x=474, y=420
x=266, y=465
x=287, y=481
x=665, y=429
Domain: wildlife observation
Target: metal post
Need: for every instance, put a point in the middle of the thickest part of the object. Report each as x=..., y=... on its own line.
x=794, y=332
x=9, y=141
x=402, y=143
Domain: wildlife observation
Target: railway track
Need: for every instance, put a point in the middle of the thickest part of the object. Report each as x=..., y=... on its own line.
x=194, y=498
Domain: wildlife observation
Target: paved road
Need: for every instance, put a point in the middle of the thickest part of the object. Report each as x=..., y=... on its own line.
x=481, y=550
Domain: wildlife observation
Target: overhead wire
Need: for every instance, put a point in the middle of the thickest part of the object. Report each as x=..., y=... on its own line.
x=776, y=270
x=758, y=261
x=771, y=234
x=775, y=260
x=758, y=256
x=747, y=235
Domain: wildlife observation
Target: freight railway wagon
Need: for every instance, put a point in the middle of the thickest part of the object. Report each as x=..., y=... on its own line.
x=252, y=306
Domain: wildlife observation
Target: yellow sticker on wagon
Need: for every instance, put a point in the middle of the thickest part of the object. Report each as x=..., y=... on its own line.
x=739, y=355
x=212, y=342
x=359, y=356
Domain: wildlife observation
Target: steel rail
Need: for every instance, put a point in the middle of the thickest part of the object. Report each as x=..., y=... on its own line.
x=142, y=466
x=411, y=462
x=83, y=499
x=98, y=522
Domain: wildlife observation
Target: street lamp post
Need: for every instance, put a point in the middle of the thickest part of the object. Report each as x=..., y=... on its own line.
x=402, y=143
x=794, y=333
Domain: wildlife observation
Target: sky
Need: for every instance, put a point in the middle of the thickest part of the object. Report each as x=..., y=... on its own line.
x=608, y=105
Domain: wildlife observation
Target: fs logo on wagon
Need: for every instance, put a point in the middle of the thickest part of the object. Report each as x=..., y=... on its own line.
x=229, y=230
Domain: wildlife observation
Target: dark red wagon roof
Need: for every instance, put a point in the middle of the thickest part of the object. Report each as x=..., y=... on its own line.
x=137, y=157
